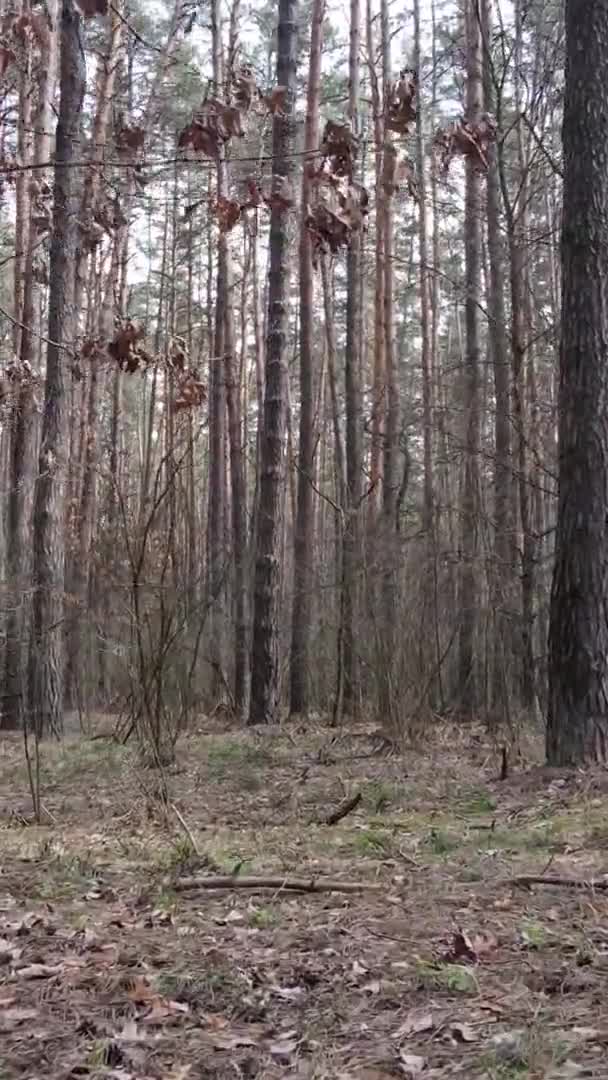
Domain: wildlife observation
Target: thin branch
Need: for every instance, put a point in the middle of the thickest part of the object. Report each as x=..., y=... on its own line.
x=344, y=808
x=307, y=885
x=560, y=882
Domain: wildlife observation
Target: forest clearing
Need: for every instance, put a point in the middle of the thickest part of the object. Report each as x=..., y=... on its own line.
x=450, y=969
x=303, y=539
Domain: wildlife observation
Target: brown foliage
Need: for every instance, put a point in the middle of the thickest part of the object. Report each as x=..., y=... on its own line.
x=275, y=100
x=211, y=128
x=401, y=102
x=398, y=172
x=339, y=209
x=90, y=8
x=191, y=391
x=228, y=213
x=129, y=138
x=469, y=140
x=126, y=347
x=339, y=147
x=244, y=88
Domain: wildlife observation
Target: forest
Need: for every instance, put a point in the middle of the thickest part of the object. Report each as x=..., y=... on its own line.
x=304, y=459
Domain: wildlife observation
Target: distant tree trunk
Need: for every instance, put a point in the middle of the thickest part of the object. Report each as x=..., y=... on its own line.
x=265, y=689
x=502, y=575
x=425, y=304
x=378, y=394
x=347, y=682
x=577, y=728
x=468, y=586
x=23, y=430
x=304, y=526
x=46, y=657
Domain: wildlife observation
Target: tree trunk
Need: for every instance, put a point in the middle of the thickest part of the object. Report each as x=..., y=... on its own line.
x=468, y=591
x=24, y=428
x=265, y=689
x=46, y=657
x=577, y=729
x=304, y=525
x=501, y=585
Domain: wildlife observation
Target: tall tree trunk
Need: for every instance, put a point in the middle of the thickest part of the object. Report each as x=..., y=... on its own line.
x=468, y=588
x=265, y=688
x=351, y=527
x=502, y=582
x=24, y=428
x=46, y=657
x=577, y=728
x=304, y=526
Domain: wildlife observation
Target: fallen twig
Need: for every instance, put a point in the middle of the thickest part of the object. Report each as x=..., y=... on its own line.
x=186, y=829
x=342, y=809
x=561, y=882
x=309, y=885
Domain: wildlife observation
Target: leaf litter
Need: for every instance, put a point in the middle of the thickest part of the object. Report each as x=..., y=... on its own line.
x=104, y=970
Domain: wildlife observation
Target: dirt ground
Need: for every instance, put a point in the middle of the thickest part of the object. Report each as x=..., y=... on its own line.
x=108, y=969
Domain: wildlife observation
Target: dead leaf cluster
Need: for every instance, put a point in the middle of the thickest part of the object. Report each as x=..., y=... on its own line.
x=401, y=105
x=126, y=348
x=91, y=8
x=338, y=209
x=212, y=126
x=397, y=173
x=469, y=140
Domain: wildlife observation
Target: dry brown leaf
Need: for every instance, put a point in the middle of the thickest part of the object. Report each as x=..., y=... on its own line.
x=416, y=1021
x=463, y=1033
x=7, y=57
x=401, y=102
x=411, y=1065
x=39, y=971
x=130, y=138
x=275, y=100
x=90, y=8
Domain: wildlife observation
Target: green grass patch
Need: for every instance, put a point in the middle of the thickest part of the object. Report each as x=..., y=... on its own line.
x=453, y=978
x=373, y=843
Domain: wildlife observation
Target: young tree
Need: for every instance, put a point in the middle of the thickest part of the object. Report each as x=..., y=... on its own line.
x=577, y=728
x=46, y=656
x=265, y=685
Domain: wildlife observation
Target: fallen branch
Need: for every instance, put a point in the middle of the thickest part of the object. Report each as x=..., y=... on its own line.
x=308, y=885
x=561, y=882
x=342, y=809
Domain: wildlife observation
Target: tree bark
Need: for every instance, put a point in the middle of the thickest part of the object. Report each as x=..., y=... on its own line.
x=304, y=525
x=468, y=592
x=46, y=657
x=265, y=689
x=577, y=728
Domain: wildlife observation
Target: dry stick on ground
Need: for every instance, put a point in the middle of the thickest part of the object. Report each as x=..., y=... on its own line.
x=342, y=809
x=567, y=883
x=308, y=885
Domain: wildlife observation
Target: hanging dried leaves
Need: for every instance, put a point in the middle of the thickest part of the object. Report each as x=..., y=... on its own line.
x=91, y=8
x=191, y=391
x=7, y=58
x=130, y=139
x=281, y=196
x=126, y=348
x=228, y=213
x=339, y=147
x=401, y=102
x=468, y=140
x=397, y=173
x=276, y=100
x=177, y=357
x=244, y=88
x=211, y=128
x=336, y=212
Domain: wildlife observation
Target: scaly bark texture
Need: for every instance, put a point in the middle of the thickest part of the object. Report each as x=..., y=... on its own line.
x=468, y=585
x=577, y=728
x=265, y=686
x=46, y=659
x=304, y=524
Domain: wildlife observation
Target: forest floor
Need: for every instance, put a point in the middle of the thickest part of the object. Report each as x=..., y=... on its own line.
x=107, y=969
